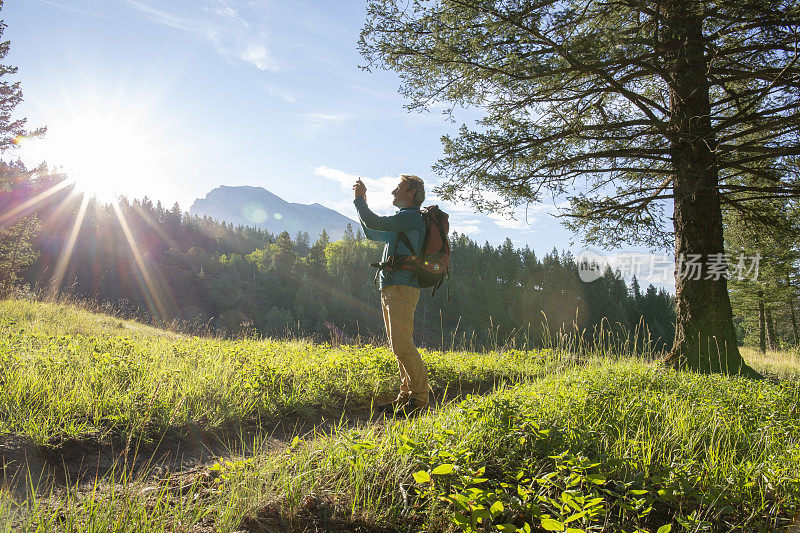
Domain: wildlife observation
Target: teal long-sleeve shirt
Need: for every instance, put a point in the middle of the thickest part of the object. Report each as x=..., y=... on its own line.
x=384, y=229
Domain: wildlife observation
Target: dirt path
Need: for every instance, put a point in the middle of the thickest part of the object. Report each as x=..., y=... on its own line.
x=180, y=450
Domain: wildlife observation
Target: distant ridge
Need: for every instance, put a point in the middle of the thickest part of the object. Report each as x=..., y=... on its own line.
x=256, y=206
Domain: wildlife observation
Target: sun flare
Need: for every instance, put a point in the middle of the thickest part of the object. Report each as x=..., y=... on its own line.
x=106, y=151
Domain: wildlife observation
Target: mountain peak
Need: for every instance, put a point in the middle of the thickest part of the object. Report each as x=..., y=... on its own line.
x=257, y=207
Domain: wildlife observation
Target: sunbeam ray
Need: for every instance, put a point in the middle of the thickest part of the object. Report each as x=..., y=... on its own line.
x=66, y=252
x=61, y=207
x=165, y=288
x=341, y=295
x=149, y=290
x=20, y=209
x=158, y=229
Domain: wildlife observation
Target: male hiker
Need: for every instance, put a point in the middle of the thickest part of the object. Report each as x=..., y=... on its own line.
x=399, y=287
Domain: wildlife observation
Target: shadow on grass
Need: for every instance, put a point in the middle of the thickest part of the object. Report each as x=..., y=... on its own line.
x=317, y=514
x=189, y=447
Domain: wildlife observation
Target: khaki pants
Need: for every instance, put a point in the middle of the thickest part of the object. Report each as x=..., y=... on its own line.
x=398, y=303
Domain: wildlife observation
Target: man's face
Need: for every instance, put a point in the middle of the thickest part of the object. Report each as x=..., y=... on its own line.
x=403, y=196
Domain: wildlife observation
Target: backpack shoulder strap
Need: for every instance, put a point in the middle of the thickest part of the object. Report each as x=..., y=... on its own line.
x=401, y=236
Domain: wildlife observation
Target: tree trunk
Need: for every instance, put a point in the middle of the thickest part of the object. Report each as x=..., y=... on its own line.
x=705, y=339
x=790, y=301
x=774, y=344
x=762, y=337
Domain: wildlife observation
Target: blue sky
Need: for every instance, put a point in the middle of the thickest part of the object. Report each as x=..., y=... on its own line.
x=182, y=96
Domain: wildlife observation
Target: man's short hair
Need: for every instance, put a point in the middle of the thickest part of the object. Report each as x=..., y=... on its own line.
x=415, y=184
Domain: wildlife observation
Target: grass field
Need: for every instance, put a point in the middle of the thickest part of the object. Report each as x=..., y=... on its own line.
x=519, y=441
x=69, y=373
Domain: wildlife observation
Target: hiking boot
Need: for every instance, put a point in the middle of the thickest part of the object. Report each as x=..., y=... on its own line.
x=390, y=407
x=411, y=407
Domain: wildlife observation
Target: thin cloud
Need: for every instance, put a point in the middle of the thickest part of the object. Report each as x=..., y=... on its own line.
x=505, y=222
x=243, y=37
x=345, y=179
x=449, y=207
x=283, y=94
x=468, y=229
x=166, y=19
x=314, y=123
x=73, y=9
x=259, y=56
x=524, y=218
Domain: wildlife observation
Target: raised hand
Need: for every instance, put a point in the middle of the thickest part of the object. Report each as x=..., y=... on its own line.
x=360, y=189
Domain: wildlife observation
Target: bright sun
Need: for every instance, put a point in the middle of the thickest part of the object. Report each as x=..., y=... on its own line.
x=106, y=150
